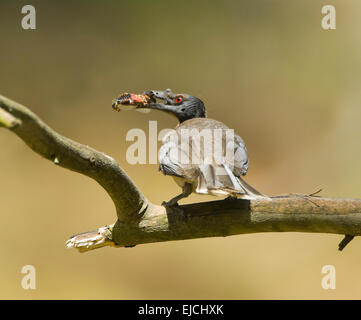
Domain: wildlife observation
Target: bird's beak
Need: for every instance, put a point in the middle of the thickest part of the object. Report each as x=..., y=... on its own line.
x=165, y=96
x=158, y=100
x=151, y=99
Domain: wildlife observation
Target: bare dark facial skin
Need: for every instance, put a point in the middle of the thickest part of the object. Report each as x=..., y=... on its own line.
x=167, y=95
x=182, y=106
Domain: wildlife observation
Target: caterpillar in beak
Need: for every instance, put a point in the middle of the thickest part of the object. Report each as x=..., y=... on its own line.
x=130, y=101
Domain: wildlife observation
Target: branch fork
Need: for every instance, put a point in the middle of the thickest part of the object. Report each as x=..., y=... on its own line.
x=139, y=221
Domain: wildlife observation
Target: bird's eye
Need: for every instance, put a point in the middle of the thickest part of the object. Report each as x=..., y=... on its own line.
x=178, y=99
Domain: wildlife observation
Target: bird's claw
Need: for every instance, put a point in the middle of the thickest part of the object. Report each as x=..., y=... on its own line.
x=230, y=198
x=170, y=204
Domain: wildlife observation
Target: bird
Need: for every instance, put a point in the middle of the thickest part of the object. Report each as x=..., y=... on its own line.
x=202, y=155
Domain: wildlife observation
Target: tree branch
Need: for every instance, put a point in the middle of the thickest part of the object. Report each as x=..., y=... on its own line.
x=140, y=221
x=74, y=156
x=7, y=120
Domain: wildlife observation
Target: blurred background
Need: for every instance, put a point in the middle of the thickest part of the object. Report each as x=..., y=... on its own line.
x=265, y=68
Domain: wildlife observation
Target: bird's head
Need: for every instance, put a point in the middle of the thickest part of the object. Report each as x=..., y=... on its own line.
x=183, y=106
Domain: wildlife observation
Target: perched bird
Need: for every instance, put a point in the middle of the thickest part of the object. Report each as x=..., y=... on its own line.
x=202, y=155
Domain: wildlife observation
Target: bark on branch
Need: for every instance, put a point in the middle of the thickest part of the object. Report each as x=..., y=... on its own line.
x=140, y=221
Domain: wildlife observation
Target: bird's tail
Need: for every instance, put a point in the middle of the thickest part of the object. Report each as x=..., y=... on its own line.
x=249, y=190
x=225, y=184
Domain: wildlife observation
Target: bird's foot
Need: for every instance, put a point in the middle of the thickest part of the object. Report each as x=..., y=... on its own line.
x=231, y=198
x=170, y=204
x=176, y=209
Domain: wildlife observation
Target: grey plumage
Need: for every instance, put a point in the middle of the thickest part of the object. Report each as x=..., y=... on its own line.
x=216, y=177
x=206, y=166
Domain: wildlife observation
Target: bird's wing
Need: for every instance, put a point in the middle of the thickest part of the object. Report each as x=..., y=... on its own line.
x=241, y=162
x=223, y=174
x=208, y=161
x=174, y=159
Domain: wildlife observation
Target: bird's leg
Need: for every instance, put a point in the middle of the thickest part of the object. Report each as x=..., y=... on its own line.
x=187, y=190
